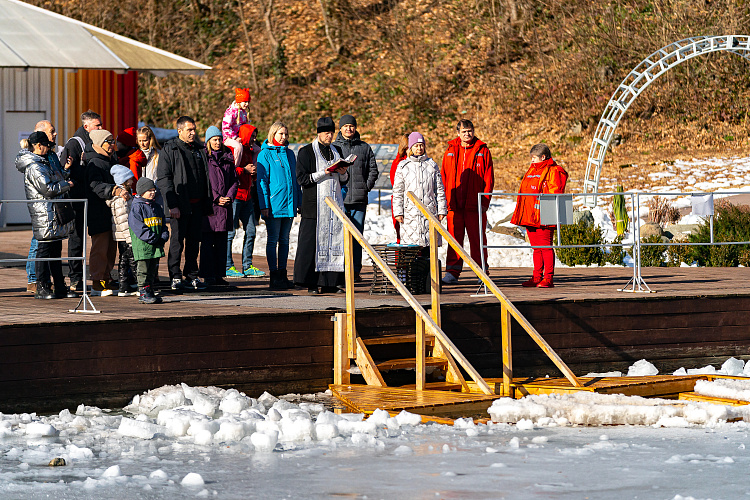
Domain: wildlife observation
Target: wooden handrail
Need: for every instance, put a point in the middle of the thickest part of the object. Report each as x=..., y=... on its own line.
x=511, y=308
x=429, y=322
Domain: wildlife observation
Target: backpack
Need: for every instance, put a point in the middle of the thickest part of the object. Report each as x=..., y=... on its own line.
x=81, y=143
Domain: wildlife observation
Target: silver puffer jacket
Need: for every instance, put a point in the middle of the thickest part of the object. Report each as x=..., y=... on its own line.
x=43, y=182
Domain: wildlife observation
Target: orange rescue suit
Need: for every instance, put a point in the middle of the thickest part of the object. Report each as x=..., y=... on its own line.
x=542, y=177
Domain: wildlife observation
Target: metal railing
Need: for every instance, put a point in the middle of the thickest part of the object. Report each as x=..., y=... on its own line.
x=636, y=283
x=84, y=304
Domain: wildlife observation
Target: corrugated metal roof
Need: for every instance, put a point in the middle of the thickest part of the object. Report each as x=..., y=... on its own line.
x=31, y=37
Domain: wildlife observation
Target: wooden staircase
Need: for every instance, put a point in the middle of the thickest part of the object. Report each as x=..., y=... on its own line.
x=430, y=353
x=433, y=347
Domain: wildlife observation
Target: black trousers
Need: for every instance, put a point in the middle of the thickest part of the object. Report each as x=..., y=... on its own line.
x=126, y=264
x=75, y=245
x=213, y=254
x=47, y=250
x=185, y=235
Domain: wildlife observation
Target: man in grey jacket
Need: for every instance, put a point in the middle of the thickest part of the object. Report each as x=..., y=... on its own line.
x=362, y=176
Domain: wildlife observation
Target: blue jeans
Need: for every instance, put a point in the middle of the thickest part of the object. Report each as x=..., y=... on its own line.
x=31, y=266
x=243, y=212
x=278, y=234
x=356, y=213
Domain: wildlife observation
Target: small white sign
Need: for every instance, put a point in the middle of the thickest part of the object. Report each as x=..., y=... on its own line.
x=702, y=205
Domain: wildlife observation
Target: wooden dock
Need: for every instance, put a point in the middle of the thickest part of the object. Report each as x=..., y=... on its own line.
x=661, y=386
x=367, y=398
x=258, y=341
x=442, y=403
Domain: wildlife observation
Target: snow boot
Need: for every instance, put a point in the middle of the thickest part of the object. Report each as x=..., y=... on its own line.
x=277, y=284
x=44, y=291
x=546, y=283
x=145, y=296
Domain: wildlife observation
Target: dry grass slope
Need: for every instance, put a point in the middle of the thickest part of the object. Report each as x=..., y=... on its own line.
x=525, y=71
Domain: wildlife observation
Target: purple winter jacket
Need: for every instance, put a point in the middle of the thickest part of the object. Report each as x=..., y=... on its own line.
x=224, y=182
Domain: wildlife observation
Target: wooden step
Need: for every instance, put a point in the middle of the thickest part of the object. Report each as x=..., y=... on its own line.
x=406, y=363
x=436, y=386
x=367, y=398
x=397, y=339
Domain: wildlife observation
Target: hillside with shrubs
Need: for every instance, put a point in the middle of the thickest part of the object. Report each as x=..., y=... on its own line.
x=525, y=71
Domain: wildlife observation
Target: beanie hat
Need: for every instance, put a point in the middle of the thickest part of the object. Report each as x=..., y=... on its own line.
x=242, y=95
x=144, y=184
x=212, y=132
x=415, y=138
x=127, y=137
x=325, y=124
x=39, y=137
x=121, y=174
x=98, y=137
x=347, y=120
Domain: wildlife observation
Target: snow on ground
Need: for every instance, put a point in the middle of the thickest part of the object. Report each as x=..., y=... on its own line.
x=718, y=175
x=180, y=441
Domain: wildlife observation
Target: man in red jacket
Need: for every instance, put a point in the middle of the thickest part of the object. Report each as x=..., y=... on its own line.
x=467, y=171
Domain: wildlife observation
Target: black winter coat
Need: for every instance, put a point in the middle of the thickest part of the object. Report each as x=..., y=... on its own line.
x=99, y=184
x=77, y=169
x=363, y=173
x=172, y=178
x=305, y=167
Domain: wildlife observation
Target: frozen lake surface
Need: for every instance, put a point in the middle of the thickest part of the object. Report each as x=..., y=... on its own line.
x=180, y=441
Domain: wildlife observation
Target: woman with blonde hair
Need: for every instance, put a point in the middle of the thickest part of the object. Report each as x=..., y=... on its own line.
x=279, y=197
x=150, y=147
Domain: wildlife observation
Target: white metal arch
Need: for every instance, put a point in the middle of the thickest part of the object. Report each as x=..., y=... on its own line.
x=636, y=82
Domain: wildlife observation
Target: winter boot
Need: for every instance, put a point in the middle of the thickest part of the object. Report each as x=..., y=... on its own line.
x=289, y=284
x=44, y=291
x=546, y=282
x=150, y=293
x=277, y=284
x=533, y=282
x=145, y=296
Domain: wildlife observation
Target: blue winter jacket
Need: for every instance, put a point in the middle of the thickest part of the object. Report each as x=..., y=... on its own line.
x=148, y=229
x=278, y=190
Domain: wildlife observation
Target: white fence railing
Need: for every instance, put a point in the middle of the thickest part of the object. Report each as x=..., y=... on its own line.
x=559, y=212
x=84, y=304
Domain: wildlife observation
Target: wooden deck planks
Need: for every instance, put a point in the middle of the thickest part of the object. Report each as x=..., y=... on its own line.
x=647, y=386
x=367, y=399
x=700, y=398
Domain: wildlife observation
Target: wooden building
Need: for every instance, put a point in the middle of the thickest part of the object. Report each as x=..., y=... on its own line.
x=53, y=67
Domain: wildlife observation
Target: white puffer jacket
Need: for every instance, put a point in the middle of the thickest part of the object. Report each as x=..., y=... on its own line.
x=120, y=211
x=421, y=175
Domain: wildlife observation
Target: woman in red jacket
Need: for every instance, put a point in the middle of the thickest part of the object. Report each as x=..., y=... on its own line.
x=544, y=176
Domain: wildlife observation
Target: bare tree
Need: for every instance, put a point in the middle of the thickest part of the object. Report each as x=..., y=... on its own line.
x=267, y=7
x=335, y=45
x=248, y=45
